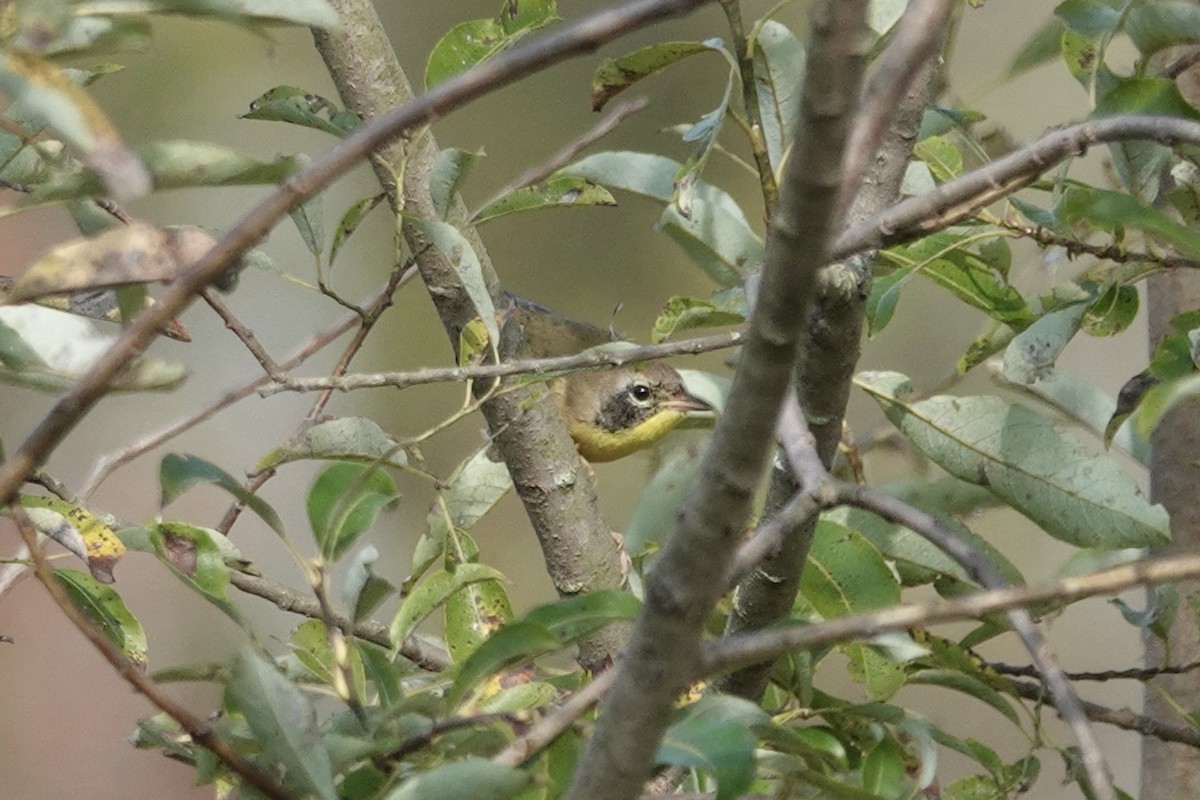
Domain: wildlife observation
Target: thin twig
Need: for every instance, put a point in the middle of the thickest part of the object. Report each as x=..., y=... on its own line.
x=425, y=655
x=958, y=199
x=198, y=729
x=754, y=127
x=244, y=334
x=367, y=320
x=983, y=571
x=591, y=359
x=733, y=651
x=110, y=462
x=551, y=726
x=1135, y=674
x=539, y=173
x=1121, y=717
x=1106, y=252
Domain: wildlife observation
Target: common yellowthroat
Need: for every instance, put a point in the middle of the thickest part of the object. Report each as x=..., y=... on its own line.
x=609, y=413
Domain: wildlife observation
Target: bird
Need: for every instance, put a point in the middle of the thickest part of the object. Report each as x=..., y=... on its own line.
x=609, y=413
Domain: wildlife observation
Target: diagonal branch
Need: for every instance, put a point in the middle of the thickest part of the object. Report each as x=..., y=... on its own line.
x=881, y=142
x=689, y=575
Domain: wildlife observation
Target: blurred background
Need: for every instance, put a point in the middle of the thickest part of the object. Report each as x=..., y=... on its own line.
x=64, y=715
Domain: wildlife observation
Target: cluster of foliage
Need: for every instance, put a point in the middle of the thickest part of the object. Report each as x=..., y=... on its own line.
x=345, y=716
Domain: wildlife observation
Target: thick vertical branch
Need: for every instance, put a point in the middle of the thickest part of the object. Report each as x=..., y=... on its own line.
x=557, y=491
x=830, y=352
x=690, y=574
x=1172, y=770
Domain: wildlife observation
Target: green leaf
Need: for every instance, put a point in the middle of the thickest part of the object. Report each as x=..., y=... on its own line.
x=885, y=771
x=104, y=607
x=779, y=65
x=462, y=47
x=1041, y=47
x=178, y=473
x=1112, y=311
x=474, y=778
x=470, y=43
x=975, y=276
x=522, y=697
x=174, y=165
x=884, y=297
x=431, y=592
x=917, y=560
x=1114, y=211
x=309, y=219
x=1043, y=473
x=690, y=313
x=310, y=645
x=515, y=643
x=462, y=256
x=474, y=612
x=944, y=160
x=653, y=517
x=295, y=105
x=716, y=236
x=1155, y=26
x=561, y=191
x=1091, y=18
x=363, y=590
x=616, y=75
x=1032, y=353
x=196, y=556
x=845, y=574
x=450, y=169
x=703, y=133
x=1161, y=399
x=356, y=439
x=881, y=676
x=283, y=722
x=968, y=685
x=312, y=13
x=350, y=221
x=714, y=736
x=343, y=503
x=50, y=351
x=578, y=617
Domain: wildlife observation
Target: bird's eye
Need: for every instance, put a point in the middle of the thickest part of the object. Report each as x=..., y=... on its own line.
x=640, y=391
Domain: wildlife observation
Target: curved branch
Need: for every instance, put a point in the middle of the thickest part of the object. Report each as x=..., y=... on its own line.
x=960, y=198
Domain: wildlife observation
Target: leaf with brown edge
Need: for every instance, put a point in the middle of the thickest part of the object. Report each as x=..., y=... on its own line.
x=136, y=253
x=78, y=530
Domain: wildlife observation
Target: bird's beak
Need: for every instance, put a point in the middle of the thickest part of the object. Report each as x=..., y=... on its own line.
x=688, y=404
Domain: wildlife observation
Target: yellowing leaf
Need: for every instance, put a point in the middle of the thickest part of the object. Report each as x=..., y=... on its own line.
x=78, y=530
x=134, y=253
x=45, y=90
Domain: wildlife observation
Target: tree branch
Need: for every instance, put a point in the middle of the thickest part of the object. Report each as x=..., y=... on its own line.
x=195, y=727
x=556, y=365
x=881, y=142
x=960, y=198
x=689, y=574
x=548, y=475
